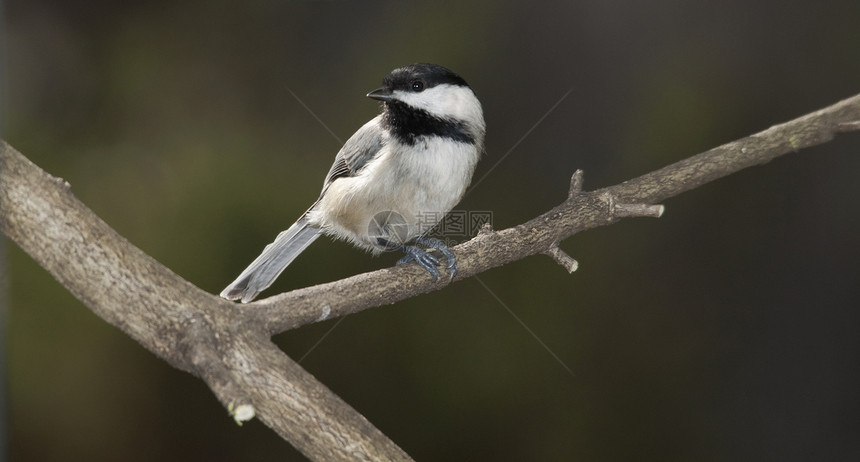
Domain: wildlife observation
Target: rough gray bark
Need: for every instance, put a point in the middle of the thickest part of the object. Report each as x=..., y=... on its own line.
x=193, y=330
x=228, y=345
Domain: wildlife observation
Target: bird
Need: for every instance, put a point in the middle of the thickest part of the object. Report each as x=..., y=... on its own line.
x=392, y=181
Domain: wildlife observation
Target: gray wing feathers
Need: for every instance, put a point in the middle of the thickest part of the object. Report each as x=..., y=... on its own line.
x=275, y=257
x=356, y=152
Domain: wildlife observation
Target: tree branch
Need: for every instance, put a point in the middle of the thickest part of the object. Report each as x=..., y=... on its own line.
x=581, y=211
x=187, y=327
x=228, y=345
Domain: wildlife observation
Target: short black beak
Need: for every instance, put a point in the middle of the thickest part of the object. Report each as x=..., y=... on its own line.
x=381, y=94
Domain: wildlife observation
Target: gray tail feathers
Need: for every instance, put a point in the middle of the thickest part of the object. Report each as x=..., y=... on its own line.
x=263, y=271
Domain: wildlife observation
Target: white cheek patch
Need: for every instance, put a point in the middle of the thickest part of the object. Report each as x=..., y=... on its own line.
x=445, y=101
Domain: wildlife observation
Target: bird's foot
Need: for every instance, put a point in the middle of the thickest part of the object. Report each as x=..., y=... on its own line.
x=428, y=261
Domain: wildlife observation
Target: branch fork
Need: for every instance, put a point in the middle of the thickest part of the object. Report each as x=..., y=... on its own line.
x=629, y=210
x=616, y=210
x=566, y=261
x=245, y=370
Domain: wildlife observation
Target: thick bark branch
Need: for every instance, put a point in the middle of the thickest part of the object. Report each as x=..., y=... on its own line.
x=228, y=345
x=189, y=328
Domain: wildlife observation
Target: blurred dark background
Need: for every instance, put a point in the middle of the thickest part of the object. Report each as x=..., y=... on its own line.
x=726, y=330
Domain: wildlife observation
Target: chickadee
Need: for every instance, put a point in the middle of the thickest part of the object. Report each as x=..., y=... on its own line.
x=393, y=180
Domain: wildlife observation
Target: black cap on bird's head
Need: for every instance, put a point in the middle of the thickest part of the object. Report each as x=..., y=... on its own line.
x=429, y=100
x=415, y=78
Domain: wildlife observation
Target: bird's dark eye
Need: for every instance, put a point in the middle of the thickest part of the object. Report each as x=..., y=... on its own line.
x=417, y=86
